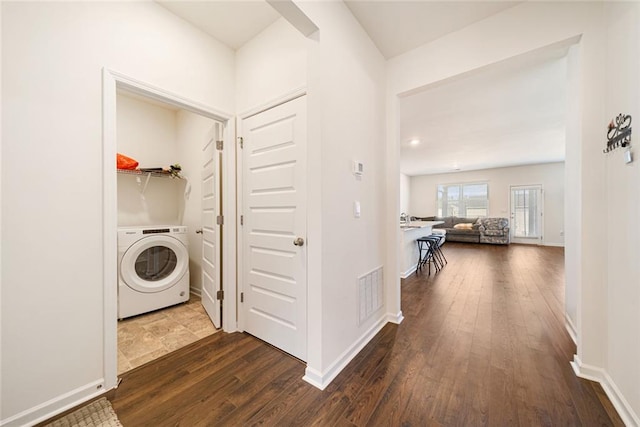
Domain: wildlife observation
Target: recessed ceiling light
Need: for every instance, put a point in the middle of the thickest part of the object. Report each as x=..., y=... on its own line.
x=414, y=142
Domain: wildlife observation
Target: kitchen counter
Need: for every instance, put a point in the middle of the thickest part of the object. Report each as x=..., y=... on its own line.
x=413, y=225
x=409, y=247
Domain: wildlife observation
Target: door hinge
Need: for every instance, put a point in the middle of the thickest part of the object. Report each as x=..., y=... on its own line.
x=241, y=296
x=241, y=219
x=219, y=145
x=220, y=295
x=220, y=220
x=241, y=141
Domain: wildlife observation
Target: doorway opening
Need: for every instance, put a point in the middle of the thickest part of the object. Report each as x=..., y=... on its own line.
x=163, y=223
x=168, y=204
x=274, y=227
x=526, y=214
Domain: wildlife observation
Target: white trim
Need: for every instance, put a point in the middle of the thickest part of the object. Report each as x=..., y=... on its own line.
x=158, y=94
x=229, y=252
x=109, y=231
x=113, y=81
x=322, y=379
x=289, y=96
x=571, y=328
x=593, y=373
x=239, y=228
x=409, y=272
x=555, y=245
x=56, y=405
x=395, y=318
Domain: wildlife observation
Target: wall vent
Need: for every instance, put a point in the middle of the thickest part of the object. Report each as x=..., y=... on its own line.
x=370, y=294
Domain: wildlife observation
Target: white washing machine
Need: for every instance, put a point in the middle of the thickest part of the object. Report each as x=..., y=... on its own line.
x=153, y=268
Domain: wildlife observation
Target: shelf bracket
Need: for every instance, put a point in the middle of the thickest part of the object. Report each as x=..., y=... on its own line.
x=146, y=183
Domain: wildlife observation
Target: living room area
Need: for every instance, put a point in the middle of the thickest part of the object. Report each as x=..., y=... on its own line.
x=483, y=154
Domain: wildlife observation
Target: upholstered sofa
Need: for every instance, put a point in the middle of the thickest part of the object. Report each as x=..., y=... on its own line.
x=473, y=230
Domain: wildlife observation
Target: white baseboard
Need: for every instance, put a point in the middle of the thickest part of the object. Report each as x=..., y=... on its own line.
x=56, y=406
x=322, y=379
x=558, y=245
x=571, y=328
x=409, y=272
x=593, y=373
x=395, y=318
x=196, y=291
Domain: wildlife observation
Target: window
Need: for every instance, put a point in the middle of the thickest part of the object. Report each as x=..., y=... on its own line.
x=463, y=200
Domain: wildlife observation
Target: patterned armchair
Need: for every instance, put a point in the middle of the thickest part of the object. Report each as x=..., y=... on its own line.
x=494, y=230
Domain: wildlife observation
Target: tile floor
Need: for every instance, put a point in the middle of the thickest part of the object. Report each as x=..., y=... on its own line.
x=149, y=336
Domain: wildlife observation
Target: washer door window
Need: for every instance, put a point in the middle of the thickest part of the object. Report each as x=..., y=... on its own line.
x=154, y=264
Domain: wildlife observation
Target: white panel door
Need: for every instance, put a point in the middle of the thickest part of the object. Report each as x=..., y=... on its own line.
x=526, y=214
x=274, y=230
x=211, y=232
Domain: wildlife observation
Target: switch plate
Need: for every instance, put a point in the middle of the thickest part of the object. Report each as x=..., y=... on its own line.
x=356, y=209
x=358, y=168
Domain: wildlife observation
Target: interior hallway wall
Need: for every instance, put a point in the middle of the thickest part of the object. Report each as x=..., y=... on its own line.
x=346, y=110
x=52, y=59
x=623, y=203
x=549, y=175
x=272, y=64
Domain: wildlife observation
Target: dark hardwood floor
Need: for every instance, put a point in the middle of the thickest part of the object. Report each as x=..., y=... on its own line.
x=482, y=343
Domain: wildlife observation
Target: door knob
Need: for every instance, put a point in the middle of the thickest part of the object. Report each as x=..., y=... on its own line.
x=199, y=231
x=299, y=241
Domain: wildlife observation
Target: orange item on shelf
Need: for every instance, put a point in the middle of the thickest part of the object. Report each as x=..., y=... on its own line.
x=124, y=162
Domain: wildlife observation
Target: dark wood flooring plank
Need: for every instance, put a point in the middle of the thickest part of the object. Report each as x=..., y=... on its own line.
x=483, y=343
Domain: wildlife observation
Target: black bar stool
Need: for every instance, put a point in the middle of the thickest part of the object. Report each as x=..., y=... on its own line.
x=429, y=245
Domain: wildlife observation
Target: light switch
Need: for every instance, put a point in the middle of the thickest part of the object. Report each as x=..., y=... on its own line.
x=356, y=209
x=358, y=168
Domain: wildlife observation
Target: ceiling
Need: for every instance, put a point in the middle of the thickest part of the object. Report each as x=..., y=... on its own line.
x=395, y=26
x=232, y=22
x=515, y=108
x=398, y=26
x=511, y=113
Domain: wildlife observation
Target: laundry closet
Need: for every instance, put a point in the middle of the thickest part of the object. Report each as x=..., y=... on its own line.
x=160, y=244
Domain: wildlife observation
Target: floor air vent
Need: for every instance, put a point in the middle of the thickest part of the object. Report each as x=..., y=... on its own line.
x=370, y=294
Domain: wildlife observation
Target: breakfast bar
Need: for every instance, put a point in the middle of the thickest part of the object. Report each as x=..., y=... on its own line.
x=409, y=248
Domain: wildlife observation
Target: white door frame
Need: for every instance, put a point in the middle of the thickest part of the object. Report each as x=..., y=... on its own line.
x=525, y=240
x=239, y=168
x=111, y=82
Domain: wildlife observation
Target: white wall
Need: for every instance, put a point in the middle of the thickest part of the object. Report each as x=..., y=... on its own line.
x=572, y=179
x=405, y=193
x=346, y=110
x=269, y=66
x=344, y=74
x=52, y=57
x=147, y=133
x=549, y=175
x=517, y=31
x=623, y=202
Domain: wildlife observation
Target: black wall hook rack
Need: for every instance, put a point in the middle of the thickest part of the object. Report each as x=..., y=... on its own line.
x=618, y=133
